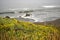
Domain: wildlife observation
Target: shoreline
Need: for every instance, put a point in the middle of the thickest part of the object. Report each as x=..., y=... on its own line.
x=55, y=23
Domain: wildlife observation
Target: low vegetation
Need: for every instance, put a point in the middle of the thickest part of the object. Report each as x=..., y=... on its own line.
x=12, y=29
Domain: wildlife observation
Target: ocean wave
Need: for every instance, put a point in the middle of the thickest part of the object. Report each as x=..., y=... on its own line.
x=49, y=6
x=5, y=12
x=29, y=17
x=25, y=19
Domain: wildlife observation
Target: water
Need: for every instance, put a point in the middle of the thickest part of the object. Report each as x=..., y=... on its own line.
x=39, y=15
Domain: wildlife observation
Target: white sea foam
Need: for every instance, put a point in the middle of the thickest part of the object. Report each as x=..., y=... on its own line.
x=48, y=6
x=30, y=17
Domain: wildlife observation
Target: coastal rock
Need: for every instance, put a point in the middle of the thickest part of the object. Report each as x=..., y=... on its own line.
x=27, y=14
x=7, y=17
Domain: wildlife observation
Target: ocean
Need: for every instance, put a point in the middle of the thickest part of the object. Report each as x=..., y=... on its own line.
x=36, y=14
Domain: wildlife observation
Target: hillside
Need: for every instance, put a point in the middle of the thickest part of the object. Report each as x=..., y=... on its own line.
x=12, y=29
x=56, y=23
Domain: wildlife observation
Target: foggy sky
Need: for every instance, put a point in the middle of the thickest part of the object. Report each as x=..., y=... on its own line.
x=27, y=3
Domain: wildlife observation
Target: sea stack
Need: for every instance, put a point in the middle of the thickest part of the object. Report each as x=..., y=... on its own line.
x=7, y=17
x=27, y=14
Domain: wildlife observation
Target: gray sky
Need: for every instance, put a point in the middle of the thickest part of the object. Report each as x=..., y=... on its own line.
x=27, y=3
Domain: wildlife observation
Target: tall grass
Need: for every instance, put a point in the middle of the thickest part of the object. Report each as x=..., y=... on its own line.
x=12, y=29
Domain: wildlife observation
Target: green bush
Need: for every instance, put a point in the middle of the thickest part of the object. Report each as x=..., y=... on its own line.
x=12, y=29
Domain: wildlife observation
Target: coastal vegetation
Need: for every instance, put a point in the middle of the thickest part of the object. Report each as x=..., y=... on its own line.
x=12, y=29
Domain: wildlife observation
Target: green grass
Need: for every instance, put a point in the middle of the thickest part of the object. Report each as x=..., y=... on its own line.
x=12, y=29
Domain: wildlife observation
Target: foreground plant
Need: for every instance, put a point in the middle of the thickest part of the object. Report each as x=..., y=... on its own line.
x=12, y=29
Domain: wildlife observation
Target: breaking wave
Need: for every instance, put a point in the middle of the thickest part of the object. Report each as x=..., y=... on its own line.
x=49, y=6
